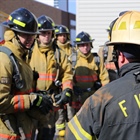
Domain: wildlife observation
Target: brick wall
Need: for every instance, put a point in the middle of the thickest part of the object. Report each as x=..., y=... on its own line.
x=59, y=17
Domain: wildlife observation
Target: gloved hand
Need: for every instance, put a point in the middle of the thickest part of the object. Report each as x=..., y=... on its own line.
x=64, y=97
x=42, y=101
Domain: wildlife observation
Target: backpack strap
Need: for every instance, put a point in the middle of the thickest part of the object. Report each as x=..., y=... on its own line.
x=57, y=58
x=16, y=74
x=97, y=61
x=105, y=51
x=97, y=84
x=73, y=59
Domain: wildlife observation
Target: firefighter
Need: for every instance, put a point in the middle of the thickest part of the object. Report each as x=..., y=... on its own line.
x=55, y=74
x=113, y=111
x=63, y=39
x=18, y=103
x=106, y=53
x=88, y=69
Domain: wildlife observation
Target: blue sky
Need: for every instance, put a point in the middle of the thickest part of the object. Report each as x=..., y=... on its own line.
x=72, y=6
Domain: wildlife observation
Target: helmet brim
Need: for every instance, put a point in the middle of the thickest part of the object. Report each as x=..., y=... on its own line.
x=26, y=32
x=44, y=30
x=83, y=42
x=108, y=30
x=62, y=33
x=115, y=43
x=5, y=24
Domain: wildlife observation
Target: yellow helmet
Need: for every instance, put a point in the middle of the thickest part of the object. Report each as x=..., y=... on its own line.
x=126, y=29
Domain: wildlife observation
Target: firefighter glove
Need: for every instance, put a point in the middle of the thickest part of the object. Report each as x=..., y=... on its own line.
x=41, y=101
x=64, y=97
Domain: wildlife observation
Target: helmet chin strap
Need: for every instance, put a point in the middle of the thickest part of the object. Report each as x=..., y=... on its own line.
x=22, y=45
x=115, y=60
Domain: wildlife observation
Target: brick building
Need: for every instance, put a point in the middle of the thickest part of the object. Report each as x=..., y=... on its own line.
x=59, y=16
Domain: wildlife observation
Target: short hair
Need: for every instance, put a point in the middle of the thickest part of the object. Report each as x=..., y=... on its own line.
x=129, y=50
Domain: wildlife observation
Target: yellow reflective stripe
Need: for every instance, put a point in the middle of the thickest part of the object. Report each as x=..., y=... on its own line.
x=67, y=29
x=56, y=30
x=114, y=27
x=122, y=26
x=53, y=24
x=78, y=39
x=39, y=25
x=60, y=126
x=68, y=94
x=108, y=28
x=39, y=101
x=19, y=23
x=87, y=135
x=137, y=25
x=10, y=18
x=73, y=130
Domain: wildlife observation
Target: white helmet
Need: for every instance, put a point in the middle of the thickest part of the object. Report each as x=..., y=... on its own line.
x=126, y=29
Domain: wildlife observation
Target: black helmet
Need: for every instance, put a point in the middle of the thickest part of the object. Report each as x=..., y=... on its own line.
x=45, y=23
x=111, y=26
x=82, y=38
x=22, y=20
x=61, y=29
x=123, y=12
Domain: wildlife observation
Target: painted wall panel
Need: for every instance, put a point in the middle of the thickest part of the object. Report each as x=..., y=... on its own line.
x=94, y=16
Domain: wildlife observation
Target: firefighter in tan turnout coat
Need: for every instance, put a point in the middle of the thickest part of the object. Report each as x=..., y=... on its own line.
x=17, y=106
x=55, y=72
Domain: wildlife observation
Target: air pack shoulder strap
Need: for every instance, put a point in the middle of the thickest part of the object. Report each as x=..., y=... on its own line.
x=16, y=74
x=97, y=61
x=73, y=59
x=105, y=51
x=57, y=58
